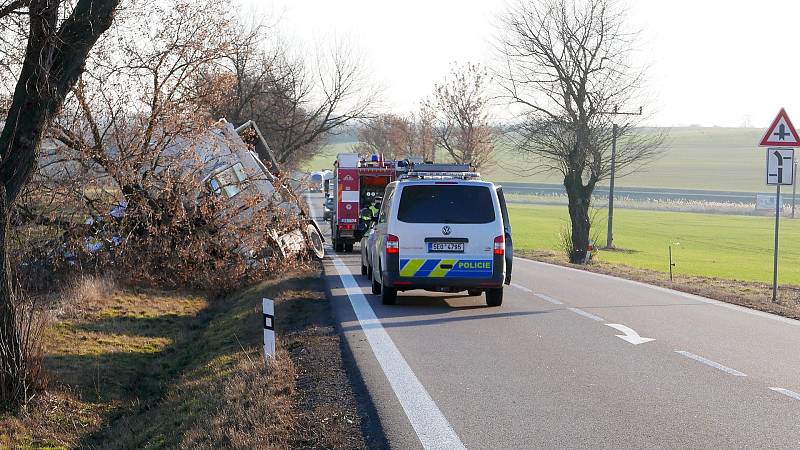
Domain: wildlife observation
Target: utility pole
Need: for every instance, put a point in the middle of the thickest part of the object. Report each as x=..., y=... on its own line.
x=614, y=132
x=794, y=187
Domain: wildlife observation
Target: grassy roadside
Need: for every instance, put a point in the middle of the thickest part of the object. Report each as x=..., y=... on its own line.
x=743, y=293
x=704, y=245
x=154, y=369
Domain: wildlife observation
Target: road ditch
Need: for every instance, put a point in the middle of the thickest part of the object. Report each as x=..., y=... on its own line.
x=134, y=368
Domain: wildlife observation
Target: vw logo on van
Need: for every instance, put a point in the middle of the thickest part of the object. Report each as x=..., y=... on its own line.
x=446, y=230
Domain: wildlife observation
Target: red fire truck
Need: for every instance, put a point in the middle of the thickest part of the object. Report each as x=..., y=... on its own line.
x=356, y=182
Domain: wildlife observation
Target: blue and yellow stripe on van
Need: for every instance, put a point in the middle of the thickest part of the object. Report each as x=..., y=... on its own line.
x=446, y=268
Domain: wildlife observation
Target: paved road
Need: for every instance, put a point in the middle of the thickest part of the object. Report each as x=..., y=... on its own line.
x=550, y=368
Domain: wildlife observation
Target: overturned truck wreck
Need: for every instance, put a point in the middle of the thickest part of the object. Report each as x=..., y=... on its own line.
x=219, y=172
x=233, y=169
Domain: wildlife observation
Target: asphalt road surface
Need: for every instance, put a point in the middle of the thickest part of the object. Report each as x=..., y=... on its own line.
x=571, y=360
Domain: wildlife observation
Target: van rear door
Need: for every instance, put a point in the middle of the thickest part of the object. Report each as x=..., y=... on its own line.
x=447, y=230
x=507, y=232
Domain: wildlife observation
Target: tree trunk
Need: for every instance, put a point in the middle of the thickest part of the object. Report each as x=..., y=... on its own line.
x=11, y=379
x=53, y=62
x=579, y=197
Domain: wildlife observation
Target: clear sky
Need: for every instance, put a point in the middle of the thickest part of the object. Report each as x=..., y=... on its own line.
x=711, y=62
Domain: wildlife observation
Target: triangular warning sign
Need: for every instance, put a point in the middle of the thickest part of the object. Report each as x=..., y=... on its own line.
x=781, y=133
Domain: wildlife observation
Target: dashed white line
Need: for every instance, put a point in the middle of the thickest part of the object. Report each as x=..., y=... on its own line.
x=787, y=392
x=713, y=364
x=432, y=428
x=541, y=296
x=709, y=301
x=583, y=313
x=521, y=288
x=549, y=299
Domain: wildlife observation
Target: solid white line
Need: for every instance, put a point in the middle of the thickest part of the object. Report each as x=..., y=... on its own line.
x=713, y=364
x=787, y=392
x=432, y=428
x=710, y=301
x=548, y=299
x=583, y=313
x=521, y=288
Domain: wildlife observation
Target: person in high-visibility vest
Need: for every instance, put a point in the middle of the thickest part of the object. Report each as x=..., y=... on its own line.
x=370, y=213
x=375, y=207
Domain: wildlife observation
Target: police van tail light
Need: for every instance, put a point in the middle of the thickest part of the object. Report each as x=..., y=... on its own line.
x=392, y=244
x=499, y=245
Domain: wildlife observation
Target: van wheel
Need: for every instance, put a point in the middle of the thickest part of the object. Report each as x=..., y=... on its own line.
x=348, y=247
x=494, y=297
x=389, y=296
x=337, y=246
x=376, y=287
x=474, y=292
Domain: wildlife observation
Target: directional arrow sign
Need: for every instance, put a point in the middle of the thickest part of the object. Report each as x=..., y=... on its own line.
x=781, y=133
x=630, y=335
x=780, y=166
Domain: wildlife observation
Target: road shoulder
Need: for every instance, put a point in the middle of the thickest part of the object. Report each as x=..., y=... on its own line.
x=166, y=369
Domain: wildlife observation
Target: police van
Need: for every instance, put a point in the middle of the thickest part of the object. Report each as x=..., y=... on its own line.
x=441, y=228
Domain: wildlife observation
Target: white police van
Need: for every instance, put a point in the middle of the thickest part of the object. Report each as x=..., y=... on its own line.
x=441, y=228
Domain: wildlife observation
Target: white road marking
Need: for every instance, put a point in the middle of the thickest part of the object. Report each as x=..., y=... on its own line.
x=586, y=314
x=541, y=296
x=787, y=392
x=549, y=299
x=713, y=364
x=432, y=428
x=709, y=301
x=630, y=335
x=522, y=288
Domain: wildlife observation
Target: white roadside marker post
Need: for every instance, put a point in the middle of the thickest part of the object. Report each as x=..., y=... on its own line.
x=269, y=328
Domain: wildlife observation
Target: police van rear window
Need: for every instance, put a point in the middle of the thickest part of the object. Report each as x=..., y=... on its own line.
x=446, y=204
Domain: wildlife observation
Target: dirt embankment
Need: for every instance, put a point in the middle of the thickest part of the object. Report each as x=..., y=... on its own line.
x=151, y=369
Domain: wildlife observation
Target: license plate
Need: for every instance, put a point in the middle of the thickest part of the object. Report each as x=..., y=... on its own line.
x=445, y=247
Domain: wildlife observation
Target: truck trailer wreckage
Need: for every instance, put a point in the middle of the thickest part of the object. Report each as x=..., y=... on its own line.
x=231, y=163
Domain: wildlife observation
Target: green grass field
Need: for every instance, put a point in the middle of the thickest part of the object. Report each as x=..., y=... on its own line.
x=691, y=158
x=724, y=246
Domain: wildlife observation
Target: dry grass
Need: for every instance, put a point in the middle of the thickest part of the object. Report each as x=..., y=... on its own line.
x=744, y=293
x=85, y=293
x=153, y=369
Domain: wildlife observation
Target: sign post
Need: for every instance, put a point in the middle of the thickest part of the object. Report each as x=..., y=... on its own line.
x=781, y=138
x=775, y=253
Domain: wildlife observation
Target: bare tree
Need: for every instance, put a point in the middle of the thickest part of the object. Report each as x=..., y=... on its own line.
x=425, y=130
x=388, y=134
x=60, y=36
x=139, y=96
x=460, y=109
x=297, y=103
x=398, y=137
x=566, y=66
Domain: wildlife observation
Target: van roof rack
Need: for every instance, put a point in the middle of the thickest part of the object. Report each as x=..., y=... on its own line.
x=440, y=171
x=440, y=175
